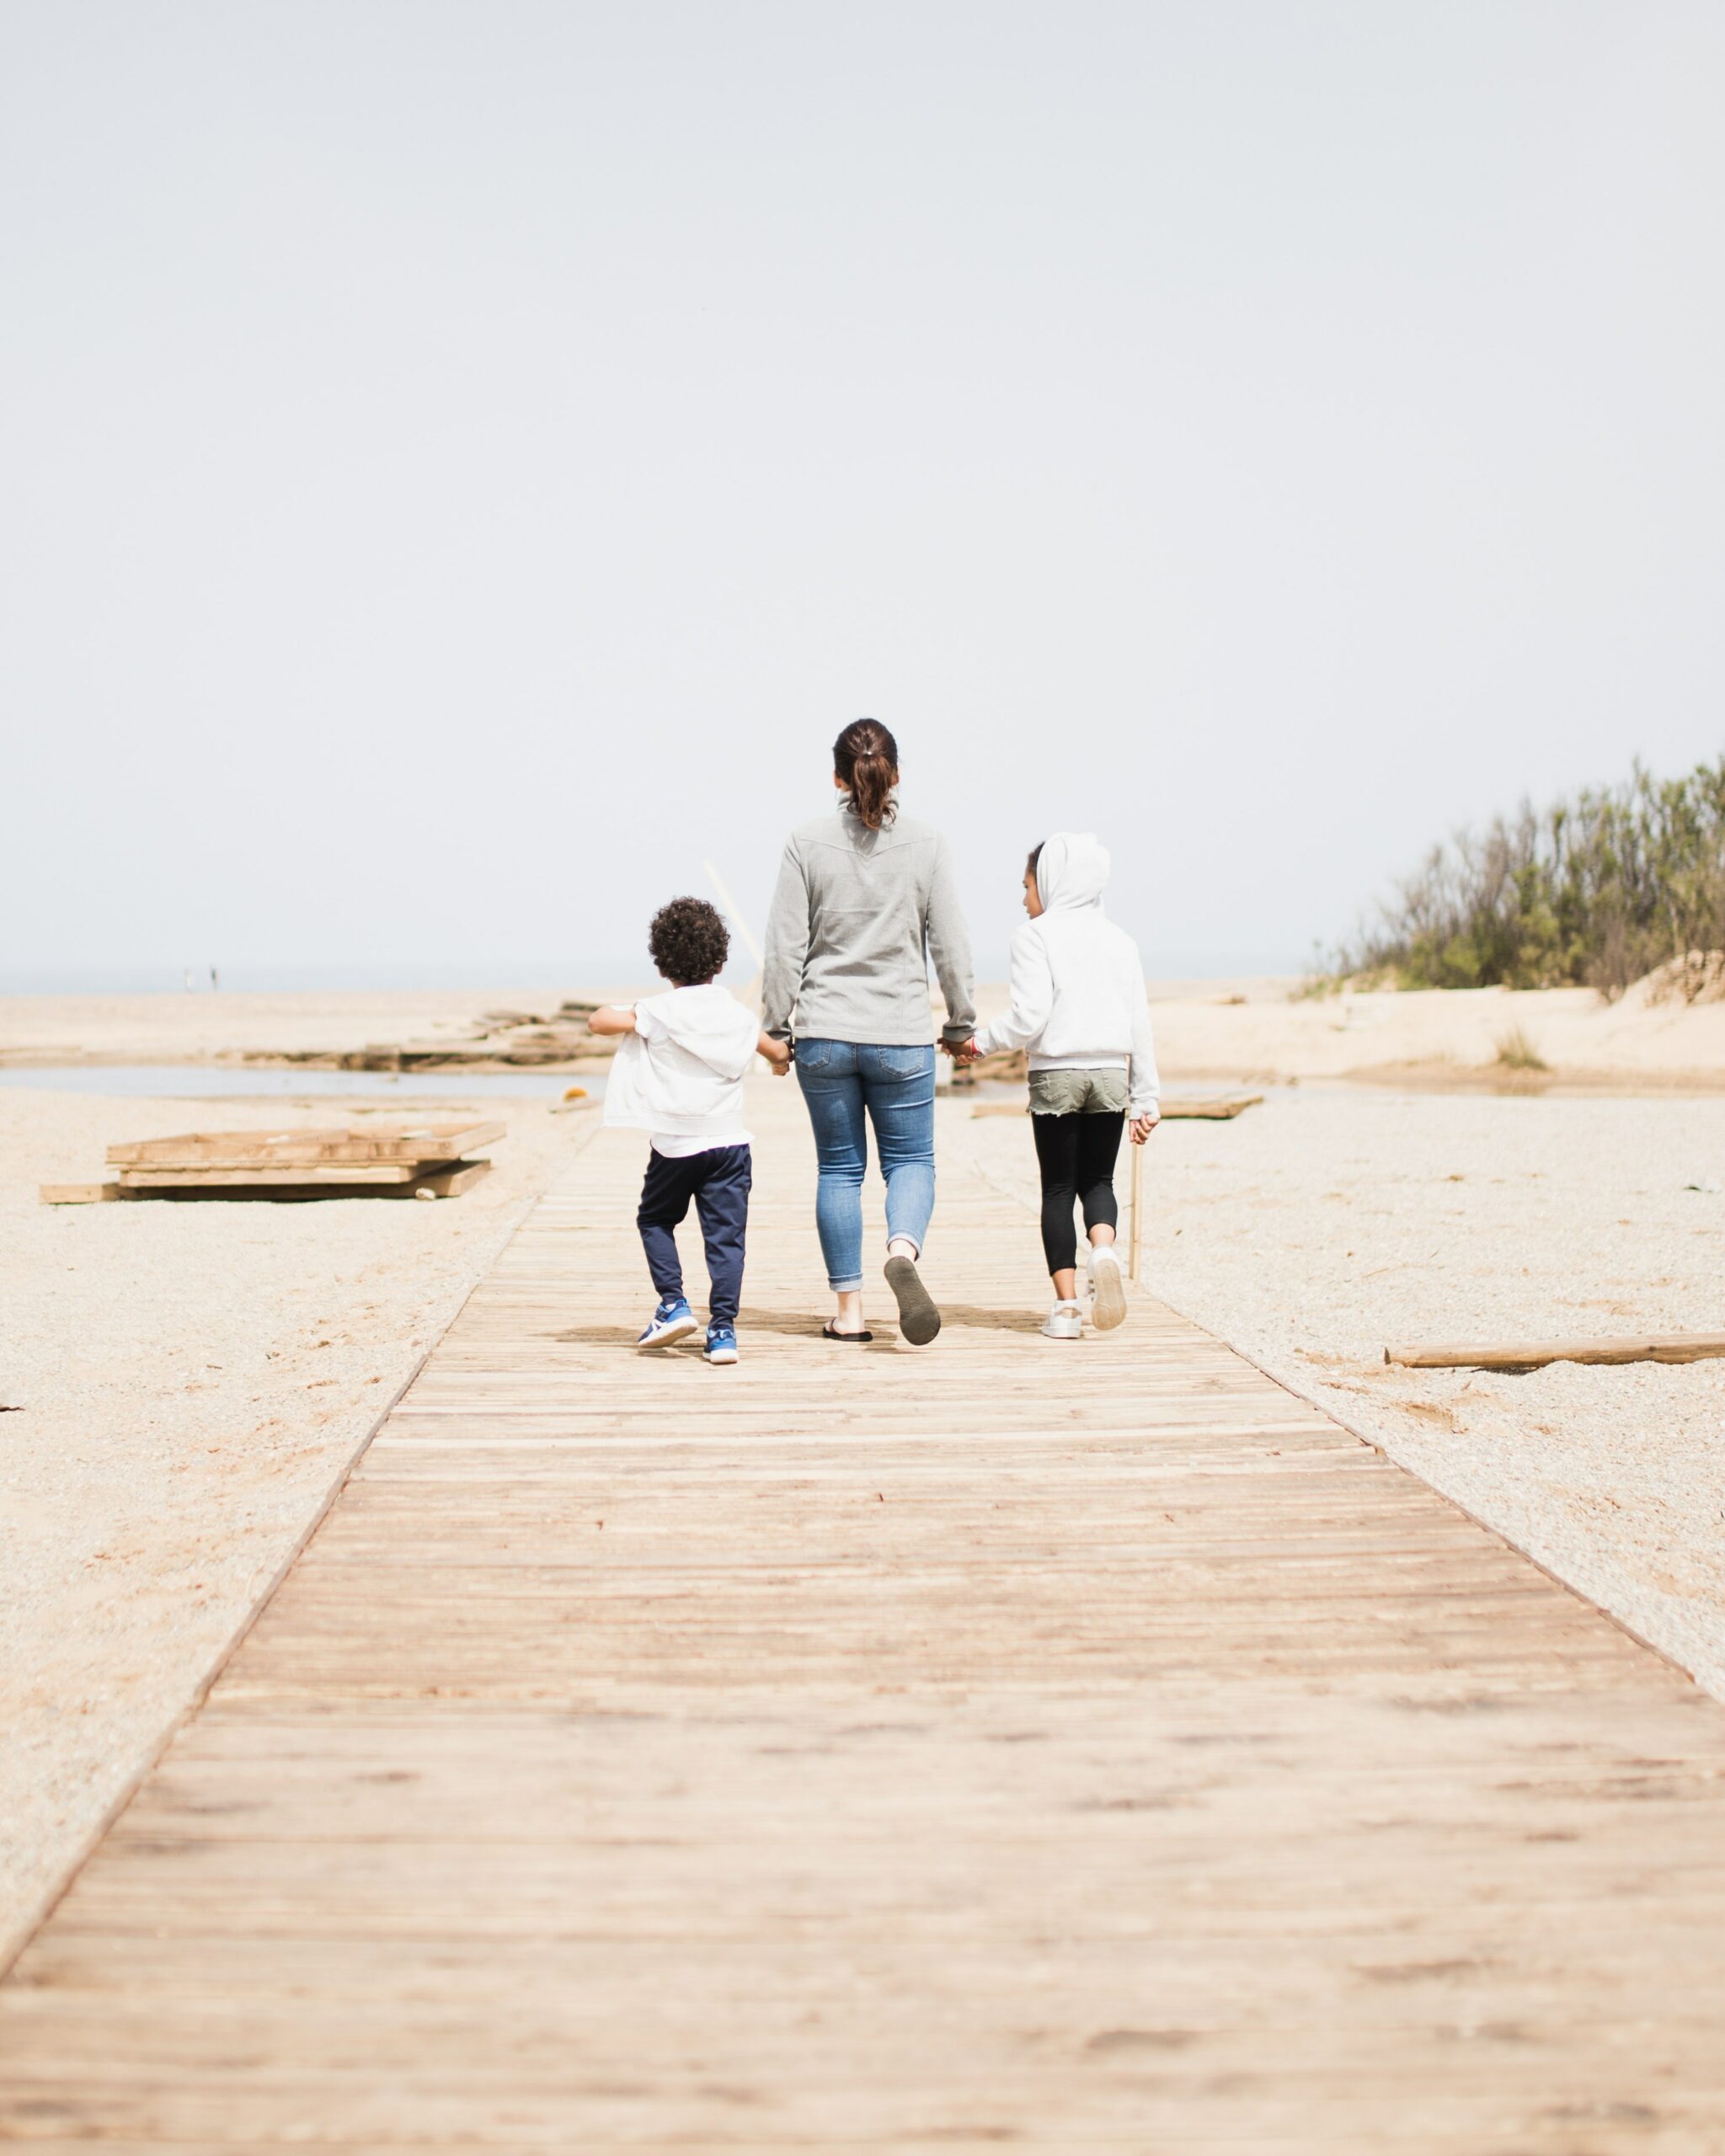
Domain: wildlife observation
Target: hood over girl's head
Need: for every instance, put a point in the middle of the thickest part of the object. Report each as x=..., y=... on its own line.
x=1071, y=871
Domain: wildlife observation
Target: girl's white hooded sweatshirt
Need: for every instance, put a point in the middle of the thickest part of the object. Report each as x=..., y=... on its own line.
x=679, y=1074
x=1078, y=995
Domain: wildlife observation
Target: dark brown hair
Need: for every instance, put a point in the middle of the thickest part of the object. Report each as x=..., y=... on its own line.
x=1035, y=856
x=689, y=942
x=866, y=759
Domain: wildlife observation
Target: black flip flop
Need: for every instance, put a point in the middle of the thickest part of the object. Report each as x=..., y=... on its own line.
x=827, y=1333
x=919, y=1321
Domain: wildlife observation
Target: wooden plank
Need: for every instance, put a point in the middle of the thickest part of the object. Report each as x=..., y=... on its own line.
x=1003, y=1744
x=452, y=1181
x=287, y=1185
x=79, y=1193
x=405, y=1142
x=1531, y=1355
x=214, y=1178
x=1215, y=1108
x=1218, y=1108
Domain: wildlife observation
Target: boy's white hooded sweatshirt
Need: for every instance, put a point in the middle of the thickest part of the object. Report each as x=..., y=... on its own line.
x=679, y=1074
x=1078, y=994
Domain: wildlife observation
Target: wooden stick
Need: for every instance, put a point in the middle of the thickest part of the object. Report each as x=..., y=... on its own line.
x=1220, y=1109
x=1174, y=1111
x=1499, y=1355
x=742, y=928
x=1137, y=1209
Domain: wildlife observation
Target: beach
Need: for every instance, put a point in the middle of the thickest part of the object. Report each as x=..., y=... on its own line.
x=1267, y=1030
x=190, y=1382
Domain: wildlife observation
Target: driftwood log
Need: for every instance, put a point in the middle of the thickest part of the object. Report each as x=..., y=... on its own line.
x=1219, y=1110
x=1533, y=1355
x=1005, y=1065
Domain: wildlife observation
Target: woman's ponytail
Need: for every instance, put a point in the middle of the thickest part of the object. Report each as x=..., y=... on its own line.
x=866, y=759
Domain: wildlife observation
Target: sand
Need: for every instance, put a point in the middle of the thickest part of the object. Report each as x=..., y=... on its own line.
x=1314, y=1230
x=1266, y=1031
x=205, y=1028
x=1258, y=1030
x=1437, y=1039
x=189, y=1381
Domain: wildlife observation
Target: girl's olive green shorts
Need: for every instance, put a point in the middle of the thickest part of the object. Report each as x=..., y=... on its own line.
x=1079, y=1093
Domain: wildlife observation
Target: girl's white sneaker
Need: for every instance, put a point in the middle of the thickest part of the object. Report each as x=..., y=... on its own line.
x=1064, y=1322
x=1108, y=1290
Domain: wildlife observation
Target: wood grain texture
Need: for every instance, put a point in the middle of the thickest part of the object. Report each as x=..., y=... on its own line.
x=211, y=1176
x=1535, y=1354
x=402, y=1142
x=1013, y=1743
x=1221, y=1108
x=451, y=1181
x=429, y=1179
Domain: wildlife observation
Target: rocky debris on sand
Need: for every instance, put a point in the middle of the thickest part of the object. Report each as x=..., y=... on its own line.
x=1004, y=1066
x=495, y=1040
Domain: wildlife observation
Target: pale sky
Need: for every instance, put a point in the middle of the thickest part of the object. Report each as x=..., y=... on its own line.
x=463, y=461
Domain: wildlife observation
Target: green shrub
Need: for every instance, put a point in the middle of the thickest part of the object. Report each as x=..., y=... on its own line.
x=1516, y=1052
x=1597, y=891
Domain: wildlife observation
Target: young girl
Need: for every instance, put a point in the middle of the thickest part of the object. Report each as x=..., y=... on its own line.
x=1079, y=1006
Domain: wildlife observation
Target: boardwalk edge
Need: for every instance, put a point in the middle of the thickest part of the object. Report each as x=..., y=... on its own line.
x=33, y=1923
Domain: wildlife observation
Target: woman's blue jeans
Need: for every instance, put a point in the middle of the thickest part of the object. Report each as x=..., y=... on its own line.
x=847, y=1085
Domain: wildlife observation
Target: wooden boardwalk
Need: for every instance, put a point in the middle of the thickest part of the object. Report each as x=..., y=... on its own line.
x=1007, y=1745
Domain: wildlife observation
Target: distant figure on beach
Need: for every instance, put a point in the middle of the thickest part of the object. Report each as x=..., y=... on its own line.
x=865, y=899
x=1080, y=1007
x=679, y=1075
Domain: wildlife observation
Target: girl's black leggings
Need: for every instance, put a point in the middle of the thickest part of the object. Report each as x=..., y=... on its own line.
x=1077, y=1156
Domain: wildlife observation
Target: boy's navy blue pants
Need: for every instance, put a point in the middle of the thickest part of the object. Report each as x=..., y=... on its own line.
x=719, y=1183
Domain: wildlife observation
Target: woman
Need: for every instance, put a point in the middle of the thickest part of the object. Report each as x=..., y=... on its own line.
x=865, y=899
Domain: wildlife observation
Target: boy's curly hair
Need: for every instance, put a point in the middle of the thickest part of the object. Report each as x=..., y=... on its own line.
x=689, y=942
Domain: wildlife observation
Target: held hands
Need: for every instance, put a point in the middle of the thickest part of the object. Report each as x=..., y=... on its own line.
x=962, y=1052
x=1139, y=1129
x=776, y=1054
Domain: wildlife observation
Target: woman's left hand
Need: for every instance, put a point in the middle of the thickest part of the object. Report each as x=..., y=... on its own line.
x=1140, y=1127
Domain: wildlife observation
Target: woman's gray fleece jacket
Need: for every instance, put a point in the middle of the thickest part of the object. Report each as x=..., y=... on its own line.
x=856, y=918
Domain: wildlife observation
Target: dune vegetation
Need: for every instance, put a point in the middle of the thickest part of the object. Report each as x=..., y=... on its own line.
x=1600, y=888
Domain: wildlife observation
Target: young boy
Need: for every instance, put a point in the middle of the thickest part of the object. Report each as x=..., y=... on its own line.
x=680, y=1075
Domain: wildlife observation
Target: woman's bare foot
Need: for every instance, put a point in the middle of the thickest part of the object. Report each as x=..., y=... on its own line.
x=848, y=1321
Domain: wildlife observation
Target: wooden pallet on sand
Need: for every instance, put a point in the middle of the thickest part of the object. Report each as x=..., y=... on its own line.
x=421, y=1160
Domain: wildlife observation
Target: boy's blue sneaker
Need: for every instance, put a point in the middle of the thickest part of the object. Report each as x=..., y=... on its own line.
x=672, y=1321
x=721, y=1343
